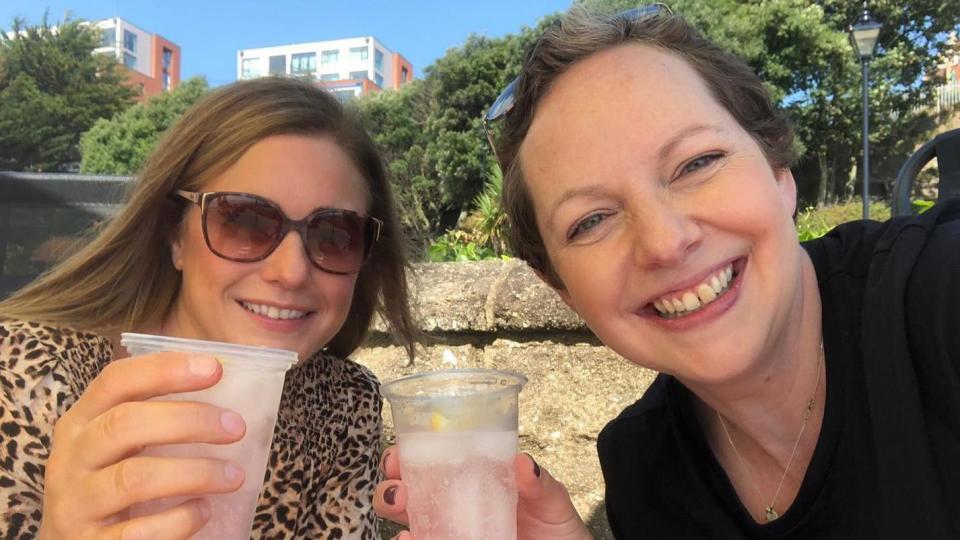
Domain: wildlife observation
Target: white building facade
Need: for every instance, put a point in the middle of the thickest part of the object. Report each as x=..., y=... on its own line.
x=348, y=67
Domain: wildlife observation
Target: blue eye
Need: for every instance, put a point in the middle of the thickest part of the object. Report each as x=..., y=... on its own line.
x=590, y=222
x=700, y=162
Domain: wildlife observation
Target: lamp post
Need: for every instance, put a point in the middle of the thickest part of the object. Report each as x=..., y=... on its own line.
x=863, y=37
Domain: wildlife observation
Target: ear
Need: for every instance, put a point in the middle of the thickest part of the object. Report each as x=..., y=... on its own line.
x=176, y=248
x=788, y=189
x=561, y=292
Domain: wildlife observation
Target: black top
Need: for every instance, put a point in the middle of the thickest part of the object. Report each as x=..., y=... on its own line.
x=887, y=463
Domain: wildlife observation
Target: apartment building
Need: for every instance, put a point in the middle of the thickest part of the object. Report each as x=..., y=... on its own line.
x=152, y=62
x=348, y=67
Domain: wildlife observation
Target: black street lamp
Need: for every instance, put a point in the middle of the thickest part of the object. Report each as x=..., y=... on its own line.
x=863, y=37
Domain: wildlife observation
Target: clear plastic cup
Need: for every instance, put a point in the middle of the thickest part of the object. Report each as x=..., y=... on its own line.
x=457, y=438
x=251, y=385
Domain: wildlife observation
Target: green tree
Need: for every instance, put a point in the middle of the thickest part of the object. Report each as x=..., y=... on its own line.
x=120, y=145
x=431, y=131
x=52, y=89
x=801, y=49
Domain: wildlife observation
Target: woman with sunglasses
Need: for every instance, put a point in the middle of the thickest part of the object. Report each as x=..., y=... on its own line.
x=804, y=391
x=263, y=217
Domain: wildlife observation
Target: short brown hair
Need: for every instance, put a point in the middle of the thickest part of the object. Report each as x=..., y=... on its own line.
x=125, y=277
x=582, y=33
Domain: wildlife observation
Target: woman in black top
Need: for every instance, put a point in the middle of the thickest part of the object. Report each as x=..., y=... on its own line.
x=805, y=391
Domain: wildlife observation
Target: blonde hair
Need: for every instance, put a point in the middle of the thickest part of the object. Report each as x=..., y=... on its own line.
x=124, y=278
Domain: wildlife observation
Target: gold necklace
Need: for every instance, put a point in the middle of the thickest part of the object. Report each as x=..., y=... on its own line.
x=769, y=511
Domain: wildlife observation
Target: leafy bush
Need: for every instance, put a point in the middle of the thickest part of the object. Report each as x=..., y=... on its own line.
x=816, y=222
x=459, y=245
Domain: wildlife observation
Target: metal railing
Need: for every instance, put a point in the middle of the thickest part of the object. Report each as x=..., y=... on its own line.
x=947, y=96
x=43, y=214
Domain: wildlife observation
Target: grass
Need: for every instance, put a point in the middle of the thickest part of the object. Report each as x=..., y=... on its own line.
x=816, y=222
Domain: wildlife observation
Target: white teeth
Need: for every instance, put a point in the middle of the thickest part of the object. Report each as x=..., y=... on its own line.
x=706, y=293
x=689, y=301
x=716, y=284
x=273, y=312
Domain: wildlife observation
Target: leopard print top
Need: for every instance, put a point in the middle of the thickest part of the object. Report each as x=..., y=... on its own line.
x=323, y=464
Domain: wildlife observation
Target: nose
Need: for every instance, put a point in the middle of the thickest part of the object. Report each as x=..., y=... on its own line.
x=288, y=266
x=665, y=235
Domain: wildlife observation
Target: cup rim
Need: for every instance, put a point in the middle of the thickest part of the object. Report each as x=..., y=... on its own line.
x=392, y=389
x=200, y=346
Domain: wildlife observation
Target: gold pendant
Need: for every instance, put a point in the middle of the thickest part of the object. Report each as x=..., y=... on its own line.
x=771, y=513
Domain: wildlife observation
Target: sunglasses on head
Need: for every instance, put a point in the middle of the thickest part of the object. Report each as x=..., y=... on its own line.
x=507, y=98
x=243, y=227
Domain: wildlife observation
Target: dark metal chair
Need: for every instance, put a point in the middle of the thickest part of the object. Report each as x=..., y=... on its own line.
x=946, y=148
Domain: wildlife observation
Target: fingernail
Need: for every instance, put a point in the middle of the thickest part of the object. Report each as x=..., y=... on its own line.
x=383, y=462
x=232, y=472
x=202, y=366
x=536, y=468
x=232, y=422
x=390, y=495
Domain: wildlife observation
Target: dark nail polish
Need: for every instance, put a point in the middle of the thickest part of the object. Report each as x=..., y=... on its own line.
x=536, y=468
x=390, y=495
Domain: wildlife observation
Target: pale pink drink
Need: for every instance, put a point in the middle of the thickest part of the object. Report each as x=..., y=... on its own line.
x=251, y=386
x=457, y=438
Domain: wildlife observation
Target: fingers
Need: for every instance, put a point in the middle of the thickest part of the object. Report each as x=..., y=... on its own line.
x=390, y=501
x=143, y=377
x=128, y=427
x=405, y=535
x=179, y=522
x=390, y=463
x=544, y=502
x=141, y=479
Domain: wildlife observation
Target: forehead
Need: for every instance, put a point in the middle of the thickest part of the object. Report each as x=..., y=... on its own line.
x=299, y=172
x=631, y=96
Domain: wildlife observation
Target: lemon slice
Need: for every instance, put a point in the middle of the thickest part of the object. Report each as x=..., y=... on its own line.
x=438, y=422
x=223, y=361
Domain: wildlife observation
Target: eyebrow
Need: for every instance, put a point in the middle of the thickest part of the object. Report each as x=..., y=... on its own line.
x=668, y=147
x=665, y=150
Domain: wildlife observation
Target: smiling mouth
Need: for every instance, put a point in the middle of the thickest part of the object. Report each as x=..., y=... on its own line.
x=684, y=303
x=273, y=312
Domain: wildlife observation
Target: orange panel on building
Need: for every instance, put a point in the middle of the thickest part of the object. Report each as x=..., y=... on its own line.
x=402, y=71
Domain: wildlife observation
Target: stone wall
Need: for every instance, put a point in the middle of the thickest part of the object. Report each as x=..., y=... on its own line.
x=497, y=314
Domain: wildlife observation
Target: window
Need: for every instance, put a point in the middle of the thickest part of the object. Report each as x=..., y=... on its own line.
x=330, y=77
x=129, y=60
x=378, y=60
x=129, y=41
x=359, y=53
x=278, y=65
x=358, y=75
x=108, y=37
x=165, y=75
x=250, y=68
x=330, y=57
x=343, y=96
x=404, y=74
x=303, y=63
x=378, y=78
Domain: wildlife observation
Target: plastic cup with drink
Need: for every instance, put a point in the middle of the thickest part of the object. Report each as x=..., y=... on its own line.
x=457, y=439
x=251, y=385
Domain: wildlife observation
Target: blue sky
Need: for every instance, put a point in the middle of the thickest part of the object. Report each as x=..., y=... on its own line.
x=210, y=32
